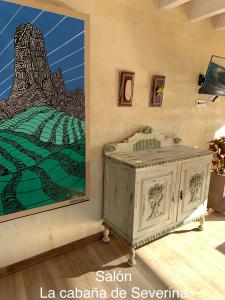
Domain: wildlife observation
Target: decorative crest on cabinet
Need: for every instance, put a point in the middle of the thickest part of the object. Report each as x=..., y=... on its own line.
x=145, y=138
x=110, y=148
x=177, y=140
x=146, y=130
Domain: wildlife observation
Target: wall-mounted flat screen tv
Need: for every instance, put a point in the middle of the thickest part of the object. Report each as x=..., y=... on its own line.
x=214, y=82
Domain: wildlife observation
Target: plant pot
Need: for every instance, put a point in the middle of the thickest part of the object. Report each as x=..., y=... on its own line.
x=216, y=199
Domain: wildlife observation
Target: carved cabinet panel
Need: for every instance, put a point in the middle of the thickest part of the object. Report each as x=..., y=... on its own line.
x=156, y=198
x=193, y=186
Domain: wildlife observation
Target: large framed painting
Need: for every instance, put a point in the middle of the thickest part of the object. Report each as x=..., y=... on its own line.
x=44, y=93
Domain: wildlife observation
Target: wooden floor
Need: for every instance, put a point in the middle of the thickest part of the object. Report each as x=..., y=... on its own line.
x=186, y=259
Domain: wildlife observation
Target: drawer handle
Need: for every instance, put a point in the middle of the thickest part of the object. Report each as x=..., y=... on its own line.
x=173, y=199
x=181, y=195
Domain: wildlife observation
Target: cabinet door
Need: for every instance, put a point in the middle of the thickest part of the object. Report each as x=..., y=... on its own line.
x=156, y=197
x=193, y=186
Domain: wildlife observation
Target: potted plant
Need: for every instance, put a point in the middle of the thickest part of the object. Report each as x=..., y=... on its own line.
x=216, y=199
x=217, y=146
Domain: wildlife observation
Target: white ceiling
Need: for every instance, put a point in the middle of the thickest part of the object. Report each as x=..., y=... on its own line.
x=200, y=10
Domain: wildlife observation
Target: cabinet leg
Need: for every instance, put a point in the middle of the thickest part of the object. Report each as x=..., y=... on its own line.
x=201, y=225
x=106, y=238
x=131, y=259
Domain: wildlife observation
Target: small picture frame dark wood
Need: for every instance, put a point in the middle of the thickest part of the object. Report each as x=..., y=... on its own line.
x=157, y=90
x=126, y=88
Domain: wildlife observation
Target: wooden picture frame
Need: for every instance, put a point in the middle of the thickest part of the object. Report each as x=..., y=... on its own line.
x=63, y=13
x=126, y=88
x=157, y=90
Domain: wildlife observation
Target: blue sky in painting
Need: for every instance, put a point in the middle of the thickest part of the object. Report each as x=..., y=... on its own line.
x=64, y=42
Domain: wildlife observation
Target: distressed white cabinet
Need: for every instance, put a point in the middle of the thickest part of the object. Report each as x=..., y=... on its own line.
x=153, y=184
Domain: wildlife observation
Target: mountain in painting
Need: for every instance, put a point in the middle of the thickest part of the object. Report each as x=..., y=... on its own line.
x=34, y=84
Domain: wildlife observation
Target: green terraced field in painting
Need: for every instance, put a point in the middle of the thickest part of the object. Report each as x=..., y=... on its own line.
x=42, y=159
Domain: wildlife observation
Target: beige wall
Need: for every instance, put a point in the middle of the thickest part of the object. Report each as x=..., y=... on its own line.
x=133, y=35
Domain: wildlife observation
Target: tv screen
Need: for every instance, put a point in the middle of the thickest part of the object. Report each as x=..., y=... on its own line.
x=214, y=82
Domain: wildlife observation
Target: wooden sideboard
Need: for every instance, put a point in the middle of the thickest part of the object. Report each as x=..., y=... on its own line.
x=152, y=185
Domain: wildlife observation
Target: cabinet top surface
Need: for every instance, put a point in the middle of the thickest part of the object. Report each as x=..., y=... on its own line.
x=151, y=157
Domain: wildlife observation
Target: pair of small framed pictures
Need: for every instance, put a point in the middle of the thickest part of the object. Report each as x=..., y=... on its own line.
x=126, y=89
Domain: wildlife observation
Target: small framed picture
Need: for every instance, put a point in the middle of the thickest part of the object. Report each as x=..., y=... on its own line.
x=157, y=91
x=126, y=88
